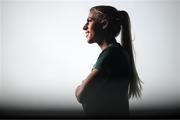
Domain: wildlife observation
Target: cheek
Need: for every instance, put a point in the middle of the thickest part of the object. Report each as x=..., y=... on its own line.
x=93, y=34
x=91, y=31
x=91, y=37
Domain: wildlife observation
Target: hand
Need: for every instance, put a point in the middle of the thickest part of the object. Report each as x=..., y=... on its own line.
x=78, y=91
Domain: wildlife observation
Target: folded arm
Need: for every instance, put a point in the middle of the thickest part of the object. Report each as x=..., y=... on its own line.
x=80, y=89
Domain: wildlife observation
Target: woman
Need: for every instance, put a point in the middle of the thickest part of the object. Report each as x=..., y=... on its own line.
x=113, y=79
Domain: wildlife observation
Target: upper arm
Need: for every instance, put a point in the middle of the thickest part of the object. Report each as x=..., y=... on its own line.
x=103, y=60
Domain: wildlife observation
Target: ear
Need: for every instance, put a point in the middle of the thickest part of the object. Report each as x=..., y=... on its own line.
x=104, y=23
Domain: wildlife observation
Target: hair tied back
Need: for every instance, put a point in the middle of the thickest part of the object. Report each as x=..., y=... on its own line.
x=121, y=14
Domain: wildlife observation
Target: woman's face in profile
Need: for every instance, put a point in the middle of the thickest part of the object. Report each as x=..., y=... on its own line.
x=91, y=29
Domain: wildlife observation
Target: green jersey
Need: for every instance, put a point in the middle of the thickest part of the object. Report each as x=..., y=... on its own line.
x=108, y=92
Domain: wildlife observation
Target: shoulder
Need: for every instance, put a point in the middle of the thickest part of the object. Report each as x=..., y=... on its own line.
x=109, y=50
x=114, y=50
x=115, y=55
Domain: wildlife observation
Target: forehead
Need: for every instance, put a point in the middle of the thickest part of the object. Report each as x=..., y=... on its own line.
x=91, y=14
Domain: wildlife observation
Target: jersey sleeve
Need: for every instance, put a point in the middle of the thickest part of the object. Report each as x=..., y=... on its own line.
x=103, y=60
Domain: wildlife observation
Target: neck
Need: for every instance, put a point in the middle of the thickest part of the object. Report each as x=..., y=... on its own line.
x=104, y=44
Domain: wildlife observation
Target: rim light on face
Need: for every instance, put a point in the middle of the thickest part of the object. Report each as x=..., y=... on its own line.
x=89, y=28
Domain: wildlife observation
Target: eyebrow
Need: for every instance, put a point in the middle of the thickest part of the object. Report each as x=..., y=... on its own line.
x=90, y=18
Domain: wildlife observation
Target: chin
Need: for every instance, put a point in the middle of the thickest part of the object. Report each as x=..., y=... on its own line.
x=90, y=41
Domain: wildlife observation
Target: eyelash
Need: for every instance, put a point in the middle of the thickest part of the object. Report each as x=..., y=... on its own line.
x=89, y=20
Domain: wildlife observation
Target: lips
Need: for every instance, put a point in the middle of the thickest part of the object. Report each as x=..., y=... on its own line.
x=87, y=33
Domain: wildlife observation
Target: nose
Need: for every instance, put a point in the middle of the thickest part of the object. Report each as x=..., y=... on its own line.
x=85, y=26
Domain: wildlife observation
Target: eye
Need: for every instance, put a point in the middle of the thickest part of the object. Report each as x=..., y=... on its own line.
x=89, y=19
